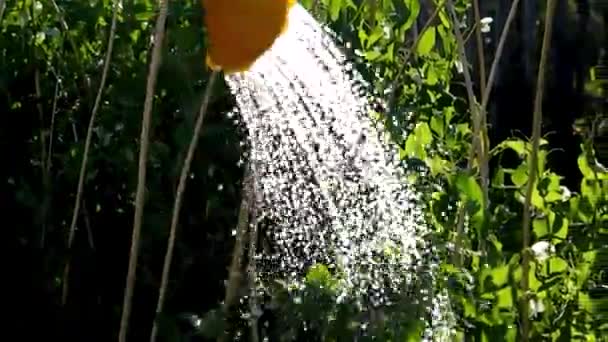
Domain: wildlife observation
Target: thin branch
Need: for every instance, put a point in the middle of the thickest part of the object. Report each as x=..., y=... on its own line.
x=87, y=147
x=87, y=224
x=2, y=8
x=181, y=187
x=467, y=75
x=480, y=54
x=66, y=29
x=484, y=158
x=485, y=95
x=533, y=167
x=234, y=274
x=159, y=35
x=52, y=128
x=392, y=99
x=44, y=208
x=485, y=98
x=467, y=36
x=49, y=154
x=253, y=304
x=85, y=212
x=42, y=136
x=457, y=258
x=501, y=44
x=479, y=146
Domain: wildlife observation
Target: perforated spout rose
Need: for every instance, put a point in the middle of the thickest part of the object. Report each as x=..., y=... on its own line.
x=240, y=31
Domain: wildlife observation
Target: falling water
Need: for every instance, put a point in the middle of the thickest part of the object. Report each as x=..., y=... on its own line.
x=326, y=177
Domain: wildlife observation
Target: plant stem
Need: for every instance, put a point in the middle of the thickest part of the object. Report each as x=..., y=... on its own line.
x=485, y=143
x=392, y=98
x=234, y=273
x=252, y=276
x=485, y=96
x=49, y=153
x=85, y=153
x=480, y=55
x=46, y=180
x=2, y=8
x=480, y=139
x=501, y=44
x=533, y=169
x=159, y=35
x=181, y=187
x=64, y=25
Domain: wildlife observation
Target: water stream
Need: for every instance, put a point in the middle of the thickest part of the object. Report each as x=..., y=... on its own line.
x=326, y=176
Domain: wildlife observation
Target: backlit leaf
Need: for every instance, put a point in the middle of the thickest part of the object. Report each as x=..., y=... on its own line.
x=427, y=41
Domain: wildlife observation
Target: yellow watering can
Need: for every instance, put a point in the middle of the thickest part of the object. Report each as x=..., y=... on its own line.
x=240, y=31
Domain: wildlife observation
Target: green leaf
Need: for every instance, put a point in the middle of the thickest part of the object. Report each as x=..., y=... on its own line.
x=519, y=176
x=448, y=113
x=583, y=166
x=445, y=21
x=307, y=3
x=553, y=196
x=319, y=275
x=585, y=302
x=499, y=178
x=540, y=227
x=374, y=36
x=423, y=133
x=504, y=298
x=403, y=152
x=463, y=129
x=559, y=225
x=541, y=161
x=590, y=256
x=471, y=191
x=372, y=55
x=591, y=190
x=519, y=146
x=418, y=140
x=135, y=34
x=535, y=284
x=334, y=8
x=40, y=37
x=437, y=126
x=469, y=187
x=414, y=7
x=427, y=41
x=557, y=265
x=431, y=76
x=437, y=165
x=537, y=200
x=413, y=148
x=500, y=275
x=447, y=41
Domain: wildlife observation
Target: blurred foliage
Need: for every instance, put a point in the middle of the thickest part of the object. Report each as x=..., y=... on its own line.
x=51, y=57
x=430, y=122
x=62, y=44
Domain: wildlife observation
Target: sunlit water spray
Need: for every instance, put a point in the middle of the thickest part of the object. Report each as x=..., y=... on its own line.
x=326, y=177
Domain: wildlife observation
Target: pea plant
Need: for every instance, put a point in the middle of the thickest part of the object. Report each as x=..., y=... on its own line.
x=477, y=212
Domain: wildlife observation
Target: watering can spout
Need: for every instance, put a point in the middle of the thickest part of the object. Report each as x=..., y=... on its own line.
x=240, y=31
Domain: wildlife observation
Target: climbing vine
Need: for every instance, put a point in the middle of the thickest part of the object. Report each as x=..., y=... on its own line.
x=482, y=264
